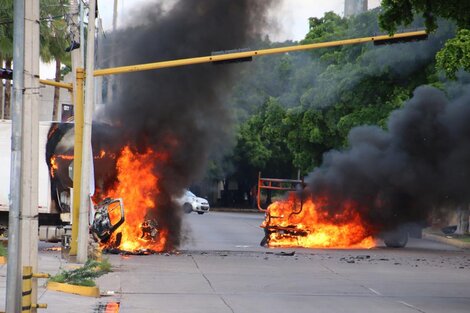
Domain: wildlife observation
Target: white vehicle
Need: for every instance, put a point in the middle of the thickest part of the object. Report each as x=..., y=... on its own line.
x=53, y=205
x=190, y=202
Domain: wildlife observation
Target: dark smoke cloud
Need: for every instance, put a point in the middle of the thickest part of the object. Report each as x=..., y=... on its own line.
x=399, y=175
x=180, y=110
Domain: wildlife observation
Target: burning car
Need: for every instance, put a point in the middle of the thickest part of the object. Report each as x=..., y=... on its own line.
x=192, y=203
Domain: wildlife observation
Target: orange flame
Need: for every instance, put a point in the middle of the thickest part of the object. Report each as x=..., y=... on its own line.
x=137, y=185
x=54, y=165
x=292, y=224
x=55, y=159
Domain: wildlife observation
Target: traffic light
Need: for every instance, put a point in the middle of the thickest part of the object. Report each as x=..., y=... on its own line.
x=6, y=73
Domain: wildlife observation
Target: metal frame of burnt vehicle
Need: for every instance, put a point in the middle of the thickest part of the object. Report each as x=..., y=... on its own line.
x=277, y=184
x=397, y=238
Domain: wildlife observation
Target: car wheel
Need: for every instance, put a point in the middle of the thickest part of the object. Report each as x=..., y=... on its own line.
x=396, y=239
x=187, y=208
x=200, y=213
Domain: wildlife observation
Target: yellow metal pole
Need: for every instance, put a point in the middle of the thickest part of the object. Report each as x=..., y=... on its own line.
x=68, y=86
x=239, y=55
x=77, y=159
x=26, y=289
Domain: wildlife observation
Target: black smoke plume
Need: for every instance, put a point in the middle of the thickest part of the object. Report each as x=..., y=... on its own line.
x=396, y=176
x=179, y=111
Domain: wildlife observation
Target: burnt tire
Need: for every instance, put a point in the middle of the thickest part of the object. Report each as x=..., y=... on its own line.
x=396, y=239
x=187, y=208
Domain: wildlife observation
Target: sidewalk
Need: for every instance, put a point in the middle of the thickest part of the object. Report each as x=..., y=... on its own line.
x=51, y=262
x=453, y=240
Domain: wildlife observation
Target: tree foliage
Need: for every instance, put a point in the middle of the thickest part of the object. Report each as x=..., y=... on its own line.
x=455, y=55
x=293, y=108
x=53, y=32
x=402, y=12
x=6, y=29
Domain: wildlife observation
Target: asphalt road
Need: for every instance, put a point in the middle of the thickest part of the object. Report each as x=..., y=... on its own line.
x=242, y=232
x=223, y=269
x=222, y=231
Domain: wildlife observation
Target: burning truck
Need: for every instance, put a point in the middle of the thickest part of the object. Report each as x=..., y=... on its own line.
x=125, y=215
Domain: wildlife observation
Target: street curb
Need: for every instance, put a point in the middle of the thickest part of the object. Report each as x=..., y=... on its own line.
x=74, y=289
x=450, y=241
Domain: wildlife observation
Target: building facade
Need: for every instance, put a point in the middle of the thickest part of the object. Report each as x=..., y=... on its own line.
x=354, y=7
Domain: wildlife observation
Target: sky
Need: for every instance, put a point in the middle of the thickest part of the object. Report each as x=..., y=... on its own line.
x=291, y=15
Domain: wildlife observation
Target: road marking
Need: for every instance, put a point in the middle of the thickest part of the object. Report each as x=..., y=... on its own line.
x=375, y=291
x=242, y=246
x=411, y=306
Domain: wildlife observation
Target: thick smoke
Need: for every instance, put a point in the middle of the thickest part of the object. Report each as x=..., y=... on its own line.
x=399, y=175
x=179, y=111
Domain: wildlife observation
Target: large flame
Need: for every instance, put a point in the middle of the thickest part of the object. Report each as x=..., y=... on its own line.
x=290, y=223
x=137, y=185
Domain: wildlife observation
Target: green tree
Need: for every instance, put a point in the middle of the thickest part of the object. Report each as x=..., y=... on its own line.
x=402, y=12
x=54, y=37
x=53, y=41
x=330, y=27
x=455, y=55
x=262, y=143
x=315, y=98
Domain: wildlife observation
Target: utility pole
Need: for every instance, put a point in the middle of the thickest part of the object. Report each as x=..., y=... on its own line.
x=30, y=145
x=23, y=220
x=13, y=290
x=87, y=157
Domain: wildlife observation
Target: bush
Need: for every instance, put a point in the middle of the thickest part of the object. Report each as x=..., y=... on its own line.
x=85, y=275
x=3, y=250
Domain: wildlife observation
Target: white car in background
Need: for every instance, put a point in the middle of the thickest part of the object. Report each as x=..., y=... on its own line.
x=190, y=202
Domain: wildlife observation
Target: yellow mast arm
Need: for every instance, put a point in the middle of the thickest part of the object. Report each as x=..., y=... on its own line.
x=68, y=86
x=247, y=54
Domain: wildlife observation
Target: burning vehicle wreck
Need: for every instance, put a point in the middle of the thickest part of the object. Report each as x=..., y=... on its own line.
x=124, y=216
x=108, y=217
x=302, y=221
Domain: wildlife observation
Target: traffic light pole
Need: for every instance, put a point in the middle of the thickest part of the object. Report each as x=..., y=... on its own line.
x=85, y=190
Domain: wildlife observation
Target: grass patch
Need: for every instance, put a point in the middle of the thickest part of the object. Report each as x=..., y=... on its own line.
x=85, y=275
x=3, y=250
x=465, y=238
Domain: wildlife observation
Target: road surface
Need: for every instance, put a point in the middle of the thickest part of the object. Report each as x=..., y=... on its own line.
x=223, y=269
